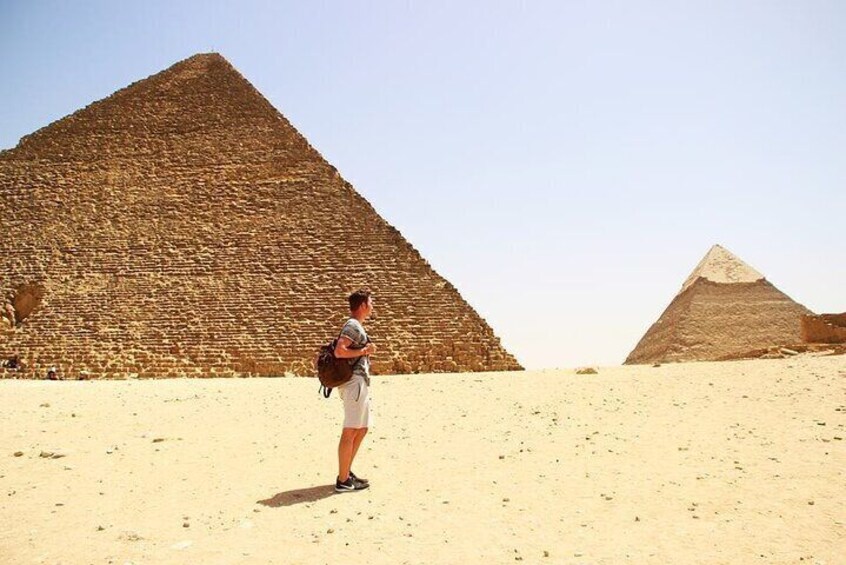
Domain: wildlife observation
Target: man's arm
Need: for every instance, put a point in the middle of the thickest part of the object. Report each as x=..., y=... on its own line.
x=344, y=351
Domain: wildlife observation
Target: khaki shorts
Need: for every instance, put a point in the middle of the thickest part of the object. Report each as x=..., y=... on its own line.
x=355, y=395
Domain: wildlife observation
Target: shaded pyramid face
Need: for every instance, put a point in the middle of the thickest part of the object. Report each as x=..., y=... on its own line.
x=182, y=226
x=725, y=309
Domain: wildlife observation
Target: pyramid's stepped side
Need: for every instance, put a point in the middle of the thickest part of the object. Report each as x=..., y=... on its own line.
x=183, y=227
x=712, y=321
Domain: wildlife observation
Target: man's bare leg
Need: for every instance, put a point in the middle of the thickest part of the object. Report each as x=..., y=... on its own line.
x=360, y=433
x=346, y=450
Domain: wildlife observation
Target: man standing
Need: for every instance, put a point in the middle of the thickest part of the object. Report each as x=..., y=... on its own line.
x=354, y=345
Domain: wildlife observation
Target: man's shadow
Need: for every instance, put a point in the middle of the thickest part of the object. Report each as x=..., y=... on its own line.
x=298, y=496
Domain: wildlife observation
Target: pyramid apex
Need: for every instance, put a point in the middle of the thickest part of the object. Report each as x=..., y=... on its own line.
x=201, y=61
x=197, y=94
x=205, y=57
x=722, y=266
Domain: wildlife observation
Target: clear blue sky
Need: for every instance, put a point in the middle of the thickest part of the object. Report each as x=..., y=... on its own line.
x=564, y=164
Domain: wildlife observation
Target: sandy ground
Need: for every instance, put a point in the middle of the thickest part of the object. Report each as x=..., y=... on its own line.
x=736, y=462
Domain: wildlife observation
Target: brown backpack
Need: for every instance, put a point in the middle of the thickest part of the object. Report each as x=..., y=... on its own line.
x=332, y=371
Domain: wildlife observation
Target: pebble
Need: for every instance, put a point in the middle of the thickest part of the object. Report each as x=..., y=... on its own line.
x=18, y=453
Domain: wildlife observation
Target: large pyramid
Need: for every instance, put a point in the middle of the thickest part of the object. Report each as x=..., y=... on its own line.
x=182, y=226
x=724, y=308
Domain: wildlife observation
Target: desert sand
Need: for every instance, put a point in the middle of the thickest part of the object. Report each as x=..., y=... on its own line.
x=734, y=462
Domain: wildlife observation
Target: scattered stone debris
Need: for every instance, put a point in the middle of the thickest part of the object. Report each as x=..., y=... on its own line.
x=587, y=371
x=784, y=352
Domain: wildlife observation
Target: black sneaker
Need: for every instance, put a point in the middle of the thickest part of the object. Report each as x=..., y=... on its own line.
x=349, y=485
x=359, y=479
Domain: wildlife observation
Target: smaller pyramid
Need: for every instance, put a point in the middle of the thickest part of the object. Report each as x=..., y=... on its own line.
x=724, y=309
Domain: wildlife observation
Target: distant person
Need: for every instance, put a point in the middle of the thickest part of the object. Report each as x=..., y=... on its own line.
x=353, y=344
x=13, y=363
x=52, y=375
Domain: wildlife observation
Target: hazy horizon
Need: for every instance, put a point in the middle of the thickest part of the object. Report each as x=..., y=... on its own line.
x=564, y=165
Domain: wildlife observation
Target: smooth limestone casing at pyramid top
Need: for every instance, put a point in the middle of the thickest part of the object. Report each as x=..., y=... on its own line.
x=182, y=226
x=725, y=309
